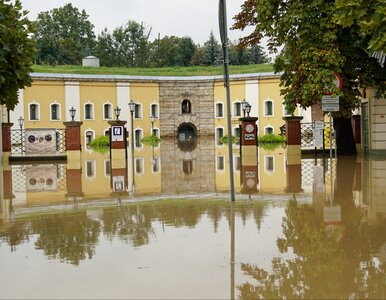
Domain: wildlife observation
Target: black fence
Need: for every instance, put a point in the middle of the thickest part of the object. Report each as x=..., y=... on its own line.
x=307, y=136
x=19, y=139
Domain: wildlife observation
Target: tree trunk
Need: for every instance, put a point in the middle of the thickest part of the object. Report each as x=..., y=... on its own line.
x=345, y=142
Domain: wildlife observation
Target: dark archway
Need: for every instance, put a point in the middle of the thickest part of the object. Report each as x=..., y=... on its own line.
x=187, y=137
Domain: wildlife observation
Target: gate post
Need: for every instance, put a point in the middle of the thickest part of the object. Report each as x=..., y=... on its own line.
x=118, y=157
x=248, y=153
x=74, y=160
x=6, y=140
x=293, y=154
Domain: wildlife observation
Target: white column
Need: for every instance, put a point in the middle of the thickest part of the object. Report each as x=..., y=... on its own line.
x=72, y=99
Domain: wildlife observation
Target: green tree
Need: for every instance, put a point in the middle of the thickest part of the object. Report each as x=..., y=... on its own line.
x=315, y=47
x=185, y=51
x=165, y=51
x=211, y=55
x=16, y=52
x=63, y=36
x=370, y=16
x=126, y=46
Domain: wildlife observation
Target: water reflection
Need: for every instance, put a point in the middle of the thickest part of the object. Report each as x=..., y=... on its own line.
x=311, y=230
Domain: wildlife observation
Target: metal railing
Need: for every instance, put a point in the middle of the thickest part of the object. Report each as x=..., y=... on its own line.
x=307, y=136
x=18, y=142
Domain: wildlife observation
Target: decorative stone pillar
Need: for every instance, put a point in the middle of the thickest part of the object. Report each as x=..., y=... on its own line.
x=248, y=154
x=293, y=153
x=6, y=139
x=74, y=160
x=73, y=144
x=356, y=126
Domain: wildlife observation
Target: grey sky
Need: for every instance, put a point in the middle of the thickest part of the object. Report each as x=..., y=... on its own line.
x=194, y=18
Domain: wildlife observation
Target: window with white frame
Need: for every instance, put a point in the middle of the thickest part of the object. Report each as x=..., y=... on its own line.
x=107, y=167
x=237, y=163
x=237, y=132
x=90, y=168
x=220, y=163
x=155, y=164
x=268, y=130
x=138, y=138
x=34, y=112
x=107, y=132
x=154, y=110
x=138, y=111
x=219, y=110
x=55, y=112
x=88, y=111
x=89, y=136
x=107, y=111
x=237, y=109
x=139, y=165
x=269, y=163
x=155, y=132
x=268, y=108
x=219, y=135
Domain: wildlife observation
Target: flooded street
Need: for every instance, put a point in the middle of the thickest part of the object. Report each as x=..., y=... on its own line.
x=308, y=231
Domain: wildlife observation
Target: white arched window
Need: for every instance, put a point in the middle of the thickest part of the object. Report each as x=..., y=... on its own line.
x=107, y=111
x=219, y=110
x=237, y=109
x=154, y=111
x=138, y=138
x=219, y=135
x=268, y=130
x=55, y=112
x=268, y=108
x=88, y=111
x=34, y=112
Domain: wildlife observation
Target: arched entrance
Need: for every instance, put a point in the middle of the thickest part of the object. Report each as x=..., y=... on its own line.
x=187, y=137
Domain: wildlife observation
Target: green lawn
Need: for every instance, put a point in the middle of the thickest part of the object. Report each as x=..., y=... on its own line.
x=170, y=71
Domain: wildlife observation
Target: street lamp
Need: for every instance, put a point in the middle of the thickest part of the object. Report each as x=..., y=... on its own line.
x=72, y=113
x=248, y=108
x=132, y=109
x=21, y=123
x=117, y=112
x=244, y=105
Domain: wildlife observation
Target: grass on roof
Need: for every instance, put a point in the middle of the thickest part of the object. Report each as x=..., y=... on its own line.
x=169, y=71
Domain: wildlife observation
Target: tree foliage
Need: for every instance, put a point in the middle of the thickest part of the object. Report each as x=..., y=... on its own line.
x=16, y=51
x=211, y=52
x=315, y=47
x=63, y=36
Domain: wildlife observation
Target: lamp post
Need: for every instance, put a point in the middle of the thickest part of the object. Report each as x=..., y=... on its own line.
x=117, y=112
x=132, y=108
x=72, y=113
x=244, y=104
x=21, y=123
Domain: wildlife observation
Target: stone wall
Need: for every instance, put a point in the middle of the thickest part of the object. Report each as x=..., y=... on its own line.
x=199, y=93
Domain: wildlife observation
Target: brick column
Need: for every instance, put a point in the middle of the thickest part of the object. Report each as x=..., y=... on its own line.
x=248, y=154
x=6, y=139
x=293, y=153
x=73, y=144
x=356, y=126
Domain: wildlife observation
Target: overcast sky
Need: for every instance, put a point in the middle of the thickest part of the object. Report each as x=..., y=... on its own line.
x=194, y=18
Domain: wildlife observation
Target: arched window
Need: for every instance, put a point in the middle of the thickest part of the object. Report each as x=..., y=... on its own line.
x=55, y=112
x=268, y=130
x=88, y=111
x=138, y=138
x=186, y=107
x=219, y=110
x=138, y=111
x=268, y=108
x=107, y=111
x=34, y=112
x=269, y=163
x=219, y=135
x=89, y=136
x=237, y=109
x=154, y=110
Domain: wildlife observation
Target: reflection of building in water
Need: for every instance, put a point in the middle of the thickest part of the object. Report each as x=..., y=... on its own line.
x=188, y=170
x=374, y=189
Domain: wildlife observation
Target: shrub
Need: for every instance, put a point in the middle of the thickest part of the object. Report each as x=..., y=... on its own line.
x=151, y=140
x=235, y=140
x=100, y=144
x=271, y=138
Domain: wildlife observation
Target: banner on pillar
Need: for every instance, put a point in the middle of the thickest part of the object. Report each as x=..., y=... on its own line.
x=41, y=178
x=40, y=141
